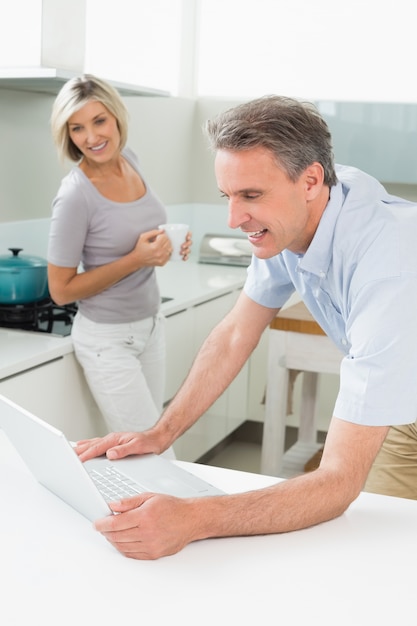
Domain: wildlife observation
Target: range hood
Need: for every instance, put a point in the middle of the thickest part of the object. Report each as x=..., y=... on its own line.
x=50, y=80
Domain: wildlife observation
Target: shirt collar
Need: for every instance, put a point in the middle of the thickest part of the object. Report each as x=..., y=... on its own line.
x=318, y=256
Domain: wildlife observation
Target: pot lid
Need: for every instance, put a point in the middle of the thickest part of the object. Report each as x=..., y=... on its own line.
x=14, y=260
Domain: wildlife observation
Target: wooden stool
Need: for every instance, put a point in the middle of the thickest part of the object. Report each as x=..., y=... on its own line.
x=296, y=342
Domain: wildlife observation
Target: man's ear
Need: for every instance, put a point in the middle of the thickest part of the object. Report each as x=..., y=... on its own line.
x=314, y=180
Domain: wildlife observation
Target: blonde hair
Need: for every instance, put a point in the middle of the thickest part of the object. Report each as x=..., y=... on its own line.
x=71, y=98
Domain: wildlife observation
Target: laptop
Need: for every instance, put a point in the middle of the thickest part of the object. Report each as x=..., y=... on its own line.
x=85, y=486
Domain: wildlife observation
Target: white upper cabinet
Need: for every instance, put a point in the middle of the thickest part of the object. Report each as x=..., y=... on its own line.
x=20, y=33
x=136, y=44
x=355, y=50
x=139, y=43
x=326, y=50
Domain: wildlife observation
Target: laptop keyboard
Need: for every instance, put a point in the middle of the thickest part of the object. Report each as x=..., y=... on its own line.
x=113, y=485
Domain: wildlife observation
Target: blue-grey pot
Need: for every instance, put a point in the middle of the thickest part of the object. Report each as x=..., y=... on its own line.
x=23, y=278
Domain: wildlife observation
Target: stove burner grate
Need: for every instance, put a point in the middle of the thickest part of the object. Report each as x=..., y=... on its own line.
x=44, y=316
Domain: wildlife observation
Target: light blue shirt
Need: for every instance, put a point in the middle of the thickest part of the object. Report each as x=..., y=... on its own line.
x=358, y=278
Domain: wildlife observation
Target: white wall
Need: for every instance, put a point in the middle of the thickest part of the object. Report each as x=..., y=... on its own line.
x=29, y=170
x=160, y=132
x=380, y=138
x=203, y=186
x=167, y=135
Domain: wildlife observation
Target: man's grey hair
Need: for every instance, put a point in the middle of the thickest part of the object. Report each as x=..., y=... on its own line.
x=293, y=131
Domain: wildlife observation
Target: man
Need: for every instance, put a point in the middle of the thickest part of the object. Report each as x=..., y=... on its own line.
x=349, y=249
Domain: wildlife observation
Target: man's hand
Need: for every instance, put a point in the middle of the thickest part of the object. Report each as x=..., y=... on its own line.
x=119, y=445
x=149, y=525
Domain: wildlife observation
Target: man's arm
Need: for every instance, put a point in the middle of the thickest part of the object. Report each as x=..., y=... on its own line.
x=219, y=360
x=142, y=532
x=308, y=499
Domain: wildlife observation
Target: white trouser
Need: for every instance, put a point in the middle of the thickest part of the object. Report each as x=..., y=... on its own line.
x=124, y=365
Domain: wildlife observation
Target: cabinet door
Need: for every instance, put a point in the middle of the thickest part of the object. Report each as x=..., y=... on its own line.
x=229, y=410
x=232, y=404
x=207, y=316
x=257, y=379
x=57, y=393
x=179, y=350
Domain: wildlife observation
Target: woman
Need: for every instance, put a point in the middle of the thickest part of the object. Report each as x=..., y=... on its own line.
x=105, y=218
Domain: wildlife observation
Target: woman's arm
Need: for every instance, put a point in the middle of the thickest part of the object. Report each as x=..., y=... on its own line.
x=66, y=285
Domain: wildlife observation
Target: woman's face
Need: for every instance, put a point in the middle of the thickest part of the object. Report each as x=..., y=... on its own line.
x=94, y=131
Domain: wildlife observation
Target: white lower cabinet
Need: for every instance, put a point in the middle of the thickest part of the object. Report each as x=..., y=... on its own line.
x=229, y=411
x=257, y=379
x=180, y=349
x=57, y=392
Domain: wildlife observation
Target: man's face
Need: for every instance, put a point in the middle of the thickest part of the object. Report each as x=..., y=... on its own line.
x=273, y=211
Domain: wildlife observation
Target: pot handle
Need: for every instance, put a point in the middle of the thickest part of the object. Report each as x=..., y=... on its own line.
x=15, y=251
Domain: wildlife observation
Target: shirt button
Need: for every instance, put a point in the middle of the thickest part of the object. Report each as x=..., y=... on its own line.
x=344, y=342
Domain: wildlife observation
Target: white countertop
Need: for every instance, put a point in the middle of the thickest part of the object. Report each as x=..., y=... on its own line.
x=22, y=350
x=187, y=283
x=191, y=283
x=56, y=569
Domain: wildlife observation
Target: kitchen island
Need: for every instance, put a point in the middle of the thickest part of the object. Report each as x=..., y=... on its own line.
x=39, y=370
x=57, y=570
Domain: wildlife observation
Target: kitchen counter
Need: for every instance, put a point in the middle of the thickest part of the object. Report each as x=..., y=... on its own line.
x=22, y=350
x=357, y=569
x=192, y=283
x=188, y=284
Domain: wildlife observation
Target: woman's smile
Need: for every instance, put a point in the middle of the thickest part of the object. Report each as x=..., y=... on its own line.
x=94, y=130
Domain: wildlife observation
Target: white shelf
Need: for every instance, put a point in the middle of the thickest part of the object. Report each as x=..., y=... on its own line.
x=296, y=457
x=50, y=80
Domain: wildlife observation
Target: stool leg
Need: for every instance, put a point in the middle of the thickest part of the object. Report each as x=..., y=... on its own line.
x=307, y=431
x=273, y=441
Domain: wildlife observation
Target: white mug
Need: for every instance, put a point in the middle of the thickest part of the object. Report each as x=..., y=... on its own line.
x=177, y=234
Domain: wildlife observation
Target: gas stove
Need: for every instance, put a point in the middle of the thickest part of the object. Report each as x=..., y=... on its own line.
x=41, y=317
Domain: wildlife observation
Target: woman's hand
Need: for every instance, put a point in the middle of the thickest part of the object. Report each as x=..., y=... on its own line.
x=153, y=248
x=186, y=246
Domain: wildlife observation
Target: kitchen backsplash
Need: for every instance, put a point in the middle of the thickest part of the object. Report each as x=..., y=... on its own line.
x=32, y=235
x=166, y=134
x=378, y=137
